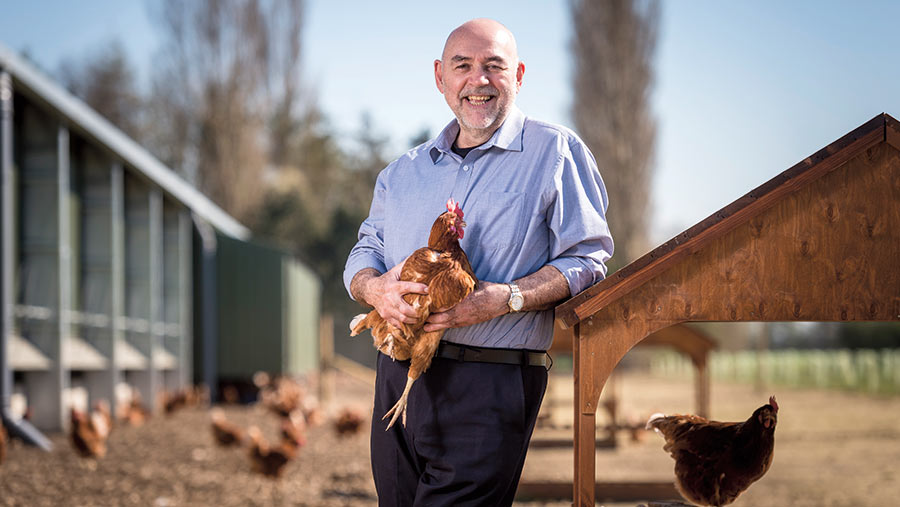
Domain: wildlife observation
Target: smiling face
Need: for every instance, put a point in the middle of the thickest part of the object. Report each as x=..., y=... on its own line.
x=479, y=75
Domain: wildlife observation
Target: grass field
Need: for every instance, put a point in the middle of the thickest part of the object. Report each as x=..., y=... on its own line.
x=868, y=371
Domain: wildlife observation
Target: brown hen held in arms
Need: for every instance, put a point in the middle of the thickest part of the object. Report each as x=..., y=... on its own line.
x=717, y=461
x=444, y=267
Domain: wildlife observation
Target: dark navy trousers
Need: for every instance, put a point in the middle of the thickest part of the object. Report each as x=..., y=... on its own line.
x=467, y=430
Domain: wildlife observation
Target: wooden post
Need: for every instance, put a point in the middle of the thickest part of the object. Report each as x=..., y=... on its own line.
x=326, y=358
x=584, y=427
x=701, y=389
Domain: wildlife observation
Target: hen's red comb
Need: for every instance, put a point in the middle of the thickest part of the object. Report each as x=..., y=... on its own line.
x=772, y=402
x=453, y=207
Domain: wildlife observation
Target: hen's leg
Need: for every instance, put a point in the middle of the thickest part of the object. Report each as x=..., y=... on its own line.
x=422, y=353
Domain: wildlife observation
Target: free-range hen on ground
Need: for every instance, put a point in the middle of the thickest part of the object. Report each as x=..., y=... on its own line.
x=444, y=268
x=717, y=461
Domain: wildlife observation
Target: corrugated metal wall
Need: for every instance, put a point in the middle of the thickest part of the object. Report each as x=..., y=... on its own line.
x=99, y=254
x=268, y=310
x=301, y=312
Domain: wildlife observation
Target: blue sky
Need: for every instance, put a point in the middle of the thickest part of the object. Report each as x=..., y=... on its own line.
x=743, y=90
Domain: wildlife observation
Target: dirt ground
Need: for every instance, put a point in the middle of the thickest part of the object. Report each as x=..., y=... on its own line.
x=832, y=449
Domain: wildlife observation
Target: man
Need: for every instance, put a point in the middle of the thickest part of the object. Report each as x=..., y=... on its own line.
x=535, y=206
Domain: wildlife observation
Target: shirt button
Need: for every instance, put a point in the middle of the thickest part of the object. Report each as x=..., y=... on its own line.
x=465, y=168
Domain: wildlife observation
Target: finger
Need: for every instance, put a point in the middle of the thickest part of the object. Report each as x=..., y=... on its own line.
x=439, y=318
x=412, y=287
x=406, y=310
x=429, y=328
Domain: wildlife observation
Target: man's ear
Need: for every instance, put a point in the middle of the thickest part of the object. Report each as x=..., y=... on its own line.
x=520, y=75
x=438, y=73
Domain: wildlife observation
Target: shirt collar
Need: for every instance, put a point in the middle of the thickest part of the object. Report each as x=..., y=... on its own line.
x=507, y=137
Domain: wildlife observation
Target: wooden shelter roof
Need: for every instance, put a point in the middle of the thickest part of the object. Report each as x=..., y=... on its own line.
x=880, y=129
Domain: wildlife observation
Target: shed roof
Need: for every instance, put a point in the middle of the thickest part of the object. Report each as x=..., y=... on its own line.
x=882, y=128
x=33, y=83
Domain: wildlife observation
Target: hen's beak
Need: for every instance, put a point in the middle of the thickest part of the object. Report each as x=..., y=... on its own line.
x=462, y=223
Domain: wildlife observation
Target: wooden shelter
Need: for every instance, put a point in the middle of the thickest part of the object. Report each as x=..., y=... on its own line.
x=819, y=242
x=690, y=341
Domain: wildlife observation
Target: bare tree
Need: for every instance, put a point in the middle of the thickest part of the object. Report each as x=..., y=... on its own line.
x=105, y=80
x=613, y=46
x=224, y=95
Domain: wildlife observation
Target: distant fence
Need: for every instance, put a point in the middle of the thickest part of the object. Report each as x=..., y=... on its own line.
x=869, y=371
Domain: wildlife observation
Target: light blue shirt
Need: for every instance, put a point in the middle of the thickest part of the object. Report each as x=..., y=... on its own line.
x=531, y=195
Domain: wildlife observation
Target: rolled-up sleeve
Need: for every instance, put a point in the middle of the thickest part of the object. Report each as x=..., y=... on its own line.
x=369, y=249
x=580, y=240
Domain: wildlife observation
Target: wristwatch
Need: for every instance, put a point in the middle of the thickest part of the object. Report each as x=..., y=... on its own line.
x=515, y=298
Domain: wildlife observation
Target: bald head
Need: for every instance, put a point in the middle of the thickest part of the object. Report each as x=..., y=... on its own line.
x=479, y=74
x=485, y=32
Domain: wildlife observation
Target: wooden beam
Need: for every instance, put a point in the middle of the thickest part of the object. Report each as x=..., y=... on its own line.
x=701, y=390
x=584, y=427
x=564, y=442
x=892, y=131
x=603, y=491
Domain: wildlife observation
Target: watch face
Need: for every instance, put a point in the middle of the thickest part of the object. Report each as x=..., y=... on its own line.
x=516, y=303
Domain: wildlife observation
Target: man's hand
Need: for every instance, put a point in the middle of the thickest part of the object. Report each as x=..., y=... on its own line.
x=385, y=294
x=542, y=290
x=489, y=301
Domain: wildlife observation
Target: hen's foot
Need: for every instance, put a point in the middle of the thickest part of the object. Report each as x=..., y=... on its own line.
x=399, y=408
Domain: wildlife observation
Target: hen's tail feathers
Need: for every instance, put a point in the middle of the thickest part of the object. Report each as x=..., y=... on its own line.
x=355, y=327
x=651, y=423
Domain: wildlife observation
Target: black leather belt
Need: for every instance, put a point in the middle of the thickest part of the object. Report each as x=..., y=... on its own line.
x=468, y=353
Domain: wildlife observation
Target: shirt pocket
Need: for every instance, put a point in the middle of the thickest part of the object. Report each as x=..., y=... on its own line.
x=502, y=220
